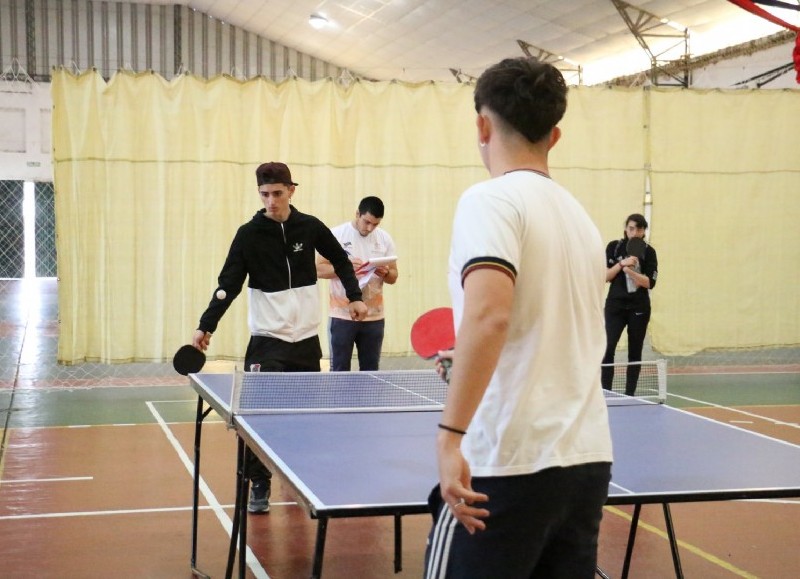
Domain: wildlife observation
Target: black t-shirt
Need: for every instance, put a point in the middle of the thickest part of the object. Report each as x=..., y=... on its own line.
x=615, y=251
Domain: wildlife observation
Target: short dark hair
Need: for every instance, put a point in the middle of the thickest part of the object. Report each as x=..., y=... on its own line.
x=529, y=95
x=638, y=219
x=372, y=205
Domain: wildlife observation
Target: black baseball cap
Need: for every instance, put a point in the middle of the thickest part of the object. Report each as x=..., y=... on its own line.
x=273, y=172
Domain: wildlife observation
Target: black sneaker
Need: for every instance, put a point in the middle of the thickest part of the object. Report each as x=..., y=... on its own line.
x=259, y=497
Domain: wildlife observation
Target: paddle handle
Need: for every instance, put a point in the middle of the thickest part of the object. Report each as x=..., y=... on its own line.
x=446, y=363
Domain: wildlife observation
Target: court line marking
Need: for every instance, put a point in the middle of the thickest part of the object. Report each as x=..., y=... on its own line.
x=120, y=512
x=738, y=411
x=38, y=480
x=205, y=490
x=684, y=545
x=761, y=371
x=775, y=501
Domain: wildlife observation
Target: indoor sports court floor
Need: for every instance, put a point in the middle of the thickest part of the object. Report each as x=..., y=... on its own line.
x=95, y=475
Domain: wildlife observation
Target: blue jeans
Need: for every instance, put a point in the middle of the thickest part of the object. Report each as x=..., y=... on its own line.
x=367, y=337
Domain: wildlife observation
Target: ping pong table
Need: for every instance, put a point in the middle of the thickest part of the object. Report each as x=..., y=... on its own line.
x=346, y=462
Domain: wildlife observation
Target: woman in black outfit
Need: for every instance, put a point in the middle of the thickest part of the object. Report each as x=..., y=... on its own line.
x=628, y=301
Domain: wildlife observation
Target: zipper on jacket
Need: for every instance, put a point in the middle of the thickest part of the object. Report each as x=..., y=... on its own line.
x=288, y=263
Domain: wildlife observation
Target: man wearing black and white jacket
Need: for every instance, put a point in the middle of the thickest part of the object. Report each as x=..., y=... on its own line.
x=275, y=252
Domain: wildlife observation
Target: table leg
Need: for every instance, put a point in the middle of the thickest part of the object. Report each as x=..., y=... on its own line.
x=398, y=543
x=245, y=483
x=198, y=429
x=637, y=509
x=673, y=541
x=319, y=549
x=238, y=508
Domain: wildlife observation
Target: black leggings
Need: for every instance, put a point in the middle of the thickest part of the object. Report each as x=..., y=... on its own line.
x=636, y=319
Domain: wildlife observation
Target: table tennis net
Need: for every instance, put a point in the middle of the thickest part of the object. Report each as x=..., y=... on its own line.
x=307, y=392
x=393, y=390
x=651, y=383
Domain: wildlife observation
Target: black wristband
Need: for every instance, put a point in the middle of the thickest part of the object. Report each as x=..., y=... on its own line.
x=451, y=429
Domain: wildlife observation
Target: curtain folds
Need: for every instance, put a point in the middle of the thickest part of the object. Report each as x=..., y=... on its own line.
x=153, y=177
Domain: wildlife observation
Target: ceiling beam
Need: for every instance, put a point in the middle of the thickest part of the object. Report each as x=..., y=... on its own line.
x=744, y=49
x=463, y=77
x=543, y=55
x=644, y=25
x=767, y=77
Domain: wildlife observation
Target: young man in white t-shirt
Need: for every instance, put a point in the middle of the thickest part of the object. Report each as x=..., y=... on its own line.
x=524, y=446
x=363, y=240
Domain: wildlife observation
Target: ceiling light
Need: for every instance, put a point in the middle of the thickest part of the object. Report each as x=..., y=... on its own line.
x=317, y=21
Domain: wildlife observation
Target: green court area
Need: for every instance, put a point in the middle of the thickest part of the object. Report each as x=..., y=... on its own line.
x=32, y=408
x=689, y=390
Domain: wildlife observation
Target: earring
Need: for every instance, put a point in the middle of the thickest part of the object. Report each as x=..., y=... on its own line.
x=482, y=144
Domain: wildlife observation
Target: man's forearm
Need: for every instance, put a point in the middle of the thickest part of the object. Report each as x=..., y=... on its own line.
x=325, y=270
x=488, y=296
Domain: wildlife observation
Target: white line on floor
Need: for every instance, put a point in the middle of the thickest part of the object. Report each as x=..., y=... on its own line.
x=223, y=517
x=120, y=512
x=39, y=480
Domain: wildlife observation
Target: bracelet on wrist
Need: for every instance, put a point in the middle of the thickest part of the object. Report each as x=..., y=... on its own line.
x=451, y=429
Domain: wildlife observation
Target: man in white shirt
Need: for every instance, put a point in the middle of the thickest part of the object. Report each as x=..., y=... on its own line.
x=364, y=241
x=524, y=446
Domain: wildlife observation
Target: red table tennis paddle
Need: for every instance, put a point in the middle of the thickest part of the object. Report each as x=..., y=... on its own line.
x=434, y=331
x=188, y=360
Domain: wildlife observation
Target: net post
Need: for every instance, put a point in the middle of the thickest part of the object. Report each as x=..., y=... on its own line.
x=236, y=394
x=661, y=366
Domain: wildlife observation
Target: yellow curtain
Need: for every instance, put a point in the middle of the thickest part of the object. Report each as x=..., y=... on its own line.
x=602, y=155
x=153, y=177
x=726, y=202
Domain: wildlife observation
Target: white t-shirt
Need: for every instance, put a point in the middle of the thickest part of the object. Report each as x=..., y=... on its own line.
x=377, y=243
x=544, y=405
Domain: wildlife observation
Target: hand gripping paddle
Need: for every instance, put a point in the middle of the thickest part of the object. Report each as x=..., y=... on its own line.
x=636, y=248
x=434, y=331
x=188, y=360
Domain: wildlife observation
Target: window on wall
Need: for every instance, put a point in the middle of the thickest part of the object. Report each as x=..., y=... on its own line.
x=44, y=230
x=12, y=229
x=27, y=230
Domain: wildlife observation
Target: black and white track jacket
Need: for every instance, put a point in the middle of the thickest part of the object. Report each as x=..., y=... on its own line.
x=280, y=263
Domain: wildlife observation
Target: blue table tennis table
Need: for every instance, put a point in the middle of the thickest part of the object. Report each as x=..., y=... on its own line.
x=352, y=463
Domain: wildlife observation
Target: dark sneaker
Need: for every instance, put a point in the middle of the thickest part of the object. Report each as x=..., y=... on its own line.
x=259, y=497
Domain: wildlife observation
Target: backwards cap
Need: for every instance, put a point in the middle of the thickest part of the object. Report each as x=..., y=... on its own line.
x=273, y=172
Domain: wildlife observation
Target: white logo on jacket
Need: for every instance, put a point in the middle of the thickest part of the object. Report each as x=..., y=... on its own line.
x=298, y=247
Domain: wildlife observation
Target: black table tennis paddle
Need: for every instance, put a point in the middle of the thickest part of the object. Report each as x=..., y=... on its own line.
x=188, y=360
x=636, y=247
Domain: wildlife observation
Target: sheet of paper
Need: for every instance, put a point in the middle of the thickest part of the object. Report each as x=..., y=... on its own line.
x=367, y=270
x=379, y=261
